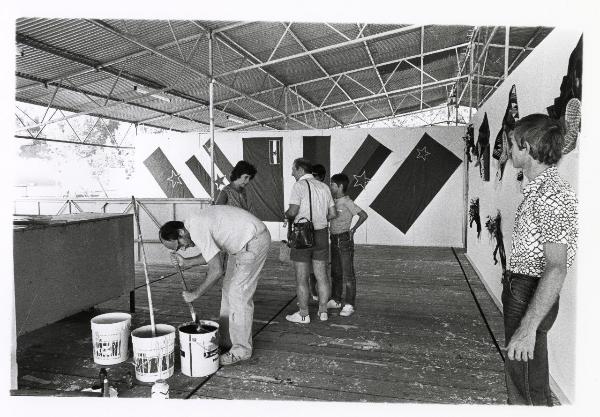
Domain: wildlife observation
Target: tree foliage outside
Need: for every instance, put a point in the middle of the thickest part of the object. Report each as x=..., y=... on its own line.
x=103, y=163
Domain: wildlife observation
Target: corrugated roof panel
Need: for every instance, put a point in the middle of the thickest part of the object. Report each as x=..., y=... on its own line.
x=353, y=89
x=315, y=35
x=297, y=70
x=44, y=65
x=344, y=59
x=368, y=79
x=258, y=38
x=394, y=47
x=440, y=37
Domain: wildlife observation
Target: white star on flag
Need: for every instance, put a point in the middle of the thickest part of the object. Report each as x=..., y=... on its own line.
x=361, y=180
x=422, y=153
x=174, y=179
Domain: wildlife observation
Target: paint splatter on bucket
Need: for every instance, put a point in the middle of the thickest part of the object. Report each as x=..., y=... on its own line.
x=153, y=357
x=110, y=338
x=199, y=348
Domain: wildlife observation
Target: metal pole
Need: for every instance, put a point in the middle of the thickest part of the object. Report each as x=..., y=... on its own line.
x=422, y=41
x=212, y=116
x=506, y=50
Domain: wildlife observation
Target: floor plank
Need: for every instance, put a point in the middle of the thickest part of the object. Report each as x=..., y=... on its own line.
x=418, y=335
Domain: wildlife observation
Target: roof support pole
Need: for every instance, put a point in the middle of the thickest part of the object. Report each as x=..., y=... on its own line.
x=483, y=53
x=523, y=50
x=211, y=108
x=506, y=50
x=422, y=39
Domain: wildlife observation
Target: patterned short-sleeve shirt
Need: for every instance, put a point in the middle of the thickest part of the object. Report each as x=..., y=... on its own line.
x=547, y=214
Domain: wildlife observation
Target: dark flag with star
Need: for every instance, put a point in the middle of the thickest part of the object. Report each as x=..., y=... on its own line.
x=265, y=191
x=415, y=184
x=200, y=173
x=165, y=175
x=316, y=150
x=221, y=160
x=364, y=164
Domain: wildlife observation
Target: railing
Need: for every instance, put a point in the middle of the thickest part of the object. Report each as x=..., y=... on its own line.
x=153, y=213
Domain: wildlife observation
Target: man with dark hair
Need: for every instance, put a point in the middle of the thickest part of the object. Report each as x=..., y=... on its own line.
x=319, y=172
x=198, y=241
x=342, y=246
x=544, y=241
x=308, y=195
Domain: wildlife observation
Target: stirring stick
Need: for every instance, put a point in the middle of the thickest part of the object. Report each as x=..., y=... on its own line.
x=141, y=240
x=192, y=311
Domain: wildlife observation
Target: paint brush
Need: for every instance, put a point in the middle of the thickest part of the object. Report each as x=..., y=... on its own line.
x=192, y=311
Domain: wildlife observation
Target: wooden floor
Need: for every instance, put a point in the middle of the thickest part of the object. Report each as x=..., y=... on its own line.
x=425, y=331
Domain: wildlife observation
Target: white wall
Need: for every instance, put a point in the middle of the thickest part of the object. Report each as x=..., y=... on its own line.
x=440, y=224
x=538, y=81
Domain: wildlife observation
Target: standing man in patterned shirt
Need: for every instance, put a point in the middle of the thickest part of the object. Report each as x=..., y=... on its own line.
x=544, y=241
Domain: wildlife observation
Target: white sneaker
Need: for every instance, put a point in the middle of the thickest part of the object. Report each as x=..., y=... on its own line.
x=347, y=310
x=333, y=304
x=323, y=316
x=297, y=318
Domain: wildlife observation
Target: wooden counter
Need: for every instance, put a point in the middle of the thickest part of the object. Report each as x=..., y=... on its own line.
x=68, y=263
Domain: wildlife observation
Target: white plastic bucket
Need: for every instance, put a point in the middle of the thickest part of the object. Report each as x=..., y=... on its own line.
x=199, y=349
x=153, y=357
x=110, y=338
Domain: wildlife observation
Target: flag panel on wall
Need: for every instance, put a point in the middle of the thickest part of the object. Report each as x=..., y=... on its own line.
x=414, y=185
x=317, y=150
x=165, y=175
x=199, y=172
x=364, y=164
x=221, y=160
x=265, y=191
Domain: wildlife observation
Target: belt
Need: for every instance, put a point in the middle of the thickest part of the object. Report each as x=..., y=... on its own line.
x=508, y=275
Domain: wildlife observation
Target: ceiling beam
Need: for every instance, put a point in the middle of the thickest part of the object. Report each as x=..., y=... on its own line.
x=336, y=106
x=132, y=39
x=318, y=64
x=393, y=61
x=110, y=63
x=322, y=49
x=238, y=49
x=116, y=102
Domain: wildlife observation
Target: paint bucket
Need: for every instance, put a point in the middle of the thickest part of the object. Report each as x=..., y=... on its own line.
x=153, y=357
x=110, y=338
x=199, y=348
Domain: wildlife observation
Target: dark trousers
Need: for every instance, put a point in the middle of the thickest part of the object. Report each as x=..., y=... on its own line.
x=342, y=268
x=527, y=382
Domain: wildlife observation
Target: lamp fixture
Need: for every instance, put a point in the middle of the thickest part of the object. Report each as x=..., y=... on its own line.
x=234, y=120
x=142, y=90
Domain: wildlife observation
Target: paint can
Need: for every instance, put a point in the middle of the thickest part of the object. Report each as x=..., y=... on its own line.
x=153, y=356
x=160, y=390
x=110, y=338
x=199, y=346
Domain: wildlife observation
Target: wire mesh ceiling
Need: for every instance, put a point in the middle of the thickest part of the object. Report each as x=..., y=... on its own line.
x=268, y=75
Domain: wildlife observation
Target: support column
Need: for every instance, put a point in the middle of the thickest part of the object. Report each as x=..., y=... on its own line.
x=211, y=115
x=506, y=50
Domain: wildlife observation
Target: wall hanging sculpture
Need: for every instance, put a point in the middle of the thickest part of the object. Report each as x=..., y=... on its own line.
x=572, y=124
x=494, y=227
x=474, y=215
x=567, y=106
x=469, y=139
x=483, y=149
x=502, y=143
